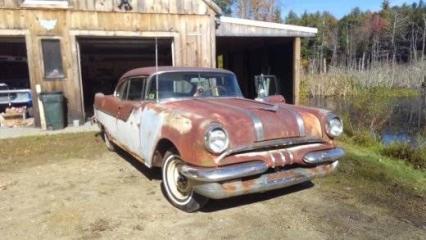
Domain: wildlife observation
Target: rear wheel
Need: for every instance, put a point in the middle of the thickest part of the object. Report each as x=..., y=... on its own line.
x=110, y=146
x=178, y=189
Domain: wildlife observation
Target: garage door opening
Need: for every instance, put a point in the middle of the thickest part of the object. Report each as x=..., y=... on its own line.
x=104, y=60
x=13, y=63
x=14, y=73
x=249, y=57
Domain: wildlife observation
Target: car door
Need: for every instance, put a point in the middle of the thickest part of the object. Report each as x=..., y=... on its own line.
x=129, y=114
x=107, y=109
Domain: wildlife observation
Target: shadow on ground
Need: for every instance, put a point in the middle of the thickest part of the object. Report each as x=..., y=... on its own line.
x=216, y=205
x=224, y=204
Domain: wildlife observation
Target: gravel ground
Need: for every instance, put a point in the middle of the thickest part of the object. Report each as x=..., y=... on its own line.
x=112, y=196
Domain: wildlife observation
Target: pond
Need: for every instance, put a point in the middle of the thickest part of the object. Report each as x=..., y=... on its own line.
x=401, y=119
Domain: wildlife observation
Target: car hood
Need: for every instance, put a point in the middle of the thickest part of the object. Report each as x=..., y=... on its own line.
x=248, y=121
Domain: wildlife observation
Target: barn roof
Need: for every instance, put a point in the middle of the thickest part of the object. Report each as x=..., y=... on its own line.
x=237, y=27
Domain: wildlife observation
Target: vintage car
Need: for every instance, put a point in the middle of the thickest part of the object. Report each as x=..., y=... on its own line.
x=14, y=97
x=210, y=141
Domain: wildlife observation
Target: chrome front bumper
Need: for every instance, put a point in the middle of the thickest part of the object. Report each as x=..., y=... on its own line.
x=225, y=182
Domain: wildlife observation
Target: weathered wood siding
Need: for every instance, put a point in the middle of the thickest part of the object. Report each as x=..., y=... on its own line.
x=190, y=23
x=143, y=6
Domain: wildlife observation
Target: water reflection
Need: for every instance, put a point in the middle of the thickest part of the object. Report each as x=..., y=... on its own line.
x=400, y=119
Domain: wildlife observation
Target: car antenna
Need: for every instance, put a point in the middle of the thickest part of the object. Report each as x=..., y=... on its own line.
x=156, y=68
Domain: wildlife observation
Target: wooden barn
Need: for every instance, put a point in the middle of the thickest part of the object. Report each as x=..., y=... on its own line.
x=81, y=47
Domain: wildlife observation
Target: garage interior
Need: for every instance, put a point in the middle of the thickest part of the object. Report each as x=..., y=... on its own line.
x=13, y=63
x=251, y=56
x=104, y=60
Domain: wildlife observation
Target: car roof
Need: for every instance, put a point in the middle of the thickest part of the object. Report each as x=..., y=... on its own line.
x=148, y=71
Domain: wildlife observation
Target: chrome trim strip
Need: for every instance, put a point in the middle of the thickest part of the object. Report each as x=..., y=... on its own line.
x=273, y=159
x=299, y=120
x=300, y=123
x=273, y=107
x=324, y=156
x=257, y=123
x=283, y=158
x=223, y=173
x=270, y=144
x=265, y=182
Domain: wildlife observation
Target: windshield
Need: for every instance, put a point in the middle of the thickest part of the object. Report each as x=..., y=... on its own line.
x=194, y=84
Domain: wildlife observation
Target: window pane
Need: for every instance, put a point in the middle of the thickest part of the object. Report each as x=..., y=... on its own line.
x=194, y=84
x=52, y=58
x=136, y=89
x=121, y=91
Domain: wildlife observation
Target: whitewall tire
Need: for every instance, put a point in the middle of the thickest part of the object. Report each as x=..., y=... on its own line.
x=177, y=188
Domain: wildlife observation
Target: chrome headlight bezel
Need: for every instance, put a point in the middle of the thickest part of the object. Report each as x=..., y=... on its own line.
x=216, y=127
x=334, y=126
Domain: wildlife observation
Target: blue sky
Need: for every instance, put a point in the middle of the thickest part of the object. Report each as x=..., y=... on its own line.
x=339, y=8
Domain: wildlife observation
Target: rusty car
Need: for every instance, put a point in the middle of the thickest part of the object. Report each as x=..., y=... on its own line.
x=209, y=141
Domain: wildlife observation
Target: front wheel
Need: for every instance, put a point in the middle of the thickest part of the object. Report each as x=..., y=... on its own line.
x=177, y=188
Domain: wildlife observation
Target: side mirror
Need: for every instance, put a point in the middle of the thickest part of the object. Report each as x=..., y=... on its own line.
x=266, y=85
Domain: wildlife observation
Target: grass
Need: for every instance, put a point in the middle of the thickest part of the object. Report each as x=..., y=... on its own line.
x=411, y=155
x=367, y=176
x=415, y=156
x=20, y=152
x=382, y=79
x=372, y=165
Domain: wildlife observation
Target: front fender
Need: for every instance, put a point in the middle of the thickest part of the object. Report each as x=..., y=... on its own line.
x=184, y=130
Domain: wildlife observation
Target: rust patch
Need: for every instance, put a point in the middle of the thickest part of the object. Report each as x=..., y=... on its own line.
x=230, y=187
x=178, y=122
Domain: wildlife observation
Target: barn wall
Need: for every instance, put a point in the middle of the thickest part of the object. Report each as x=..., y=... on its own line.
x=190, y=23
x=141, y=6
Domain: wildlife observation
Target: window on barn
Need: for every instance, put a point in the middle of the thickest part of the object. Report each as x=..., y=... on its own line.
x=52, y=59
x=58, y=3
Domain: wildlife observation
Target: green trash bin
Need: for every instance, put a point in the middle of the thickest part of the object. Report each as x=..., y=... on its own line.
x=53, y=103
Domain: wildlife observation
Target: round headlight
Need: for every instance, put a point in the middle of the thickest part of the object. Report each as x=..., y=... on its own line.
x=334, y=126
x=216, y=139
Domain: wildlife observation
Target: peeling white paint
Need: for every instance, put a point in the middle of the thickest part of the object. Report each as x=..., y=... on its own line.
x=151, y=124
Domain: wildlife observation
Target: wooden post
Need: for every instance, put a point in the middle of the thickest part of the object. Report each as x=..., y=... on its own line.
x=296, y=69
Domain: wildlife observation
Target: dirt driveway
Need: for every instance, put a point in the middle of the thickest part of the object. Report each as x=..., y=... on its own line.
x=105, y=195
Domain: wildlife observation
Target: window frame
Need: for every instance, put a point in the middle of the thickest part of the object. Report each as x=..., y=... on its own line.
x=143, y=90
x=46, y=3
x=117, y=89
x=43, y=63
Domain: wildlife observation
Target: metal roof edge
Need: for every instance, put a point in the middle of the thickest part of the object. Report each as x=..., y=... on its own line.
x=271, y=25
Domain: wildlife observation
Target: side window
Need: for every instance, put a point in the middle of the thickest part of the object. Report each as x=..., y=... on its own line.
x=136, y=89
x=121, y=91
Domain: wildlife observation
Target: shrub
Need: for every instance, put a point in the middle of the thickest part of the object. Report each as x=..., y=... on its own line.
x=404, y=151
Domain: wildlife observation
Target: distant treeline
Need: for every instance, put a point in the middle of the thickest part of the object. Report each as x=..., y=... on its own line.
x=395, y=34
x=358, y=41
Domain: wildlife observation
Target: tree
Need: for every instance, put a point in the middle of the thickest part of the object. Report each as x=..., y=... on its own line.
x=263, y=10
x=292, y=18
x=225, y=5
